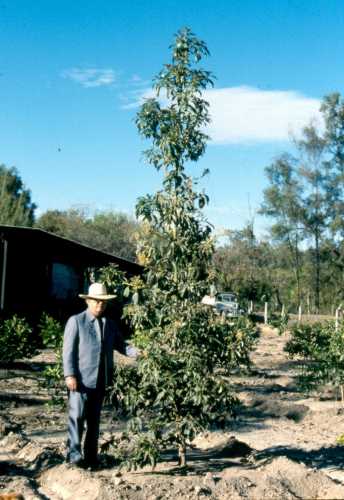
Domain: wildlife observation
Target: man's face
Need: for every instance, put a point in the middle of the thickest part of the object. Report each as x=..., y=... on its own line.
x=96, y=307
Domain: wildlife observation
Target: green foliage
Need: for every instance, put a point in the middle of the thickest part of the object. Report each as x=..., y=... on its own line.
x=180, y=387
x=16, y=340
x=305, y=199
x=51, y=332
x=279, y=322
x=246, y=266
x=283, y=203
x=240, y=335
x=307, y=339
x=180, y=384
x=114, y=279
x=16, y=207
x=322, y=348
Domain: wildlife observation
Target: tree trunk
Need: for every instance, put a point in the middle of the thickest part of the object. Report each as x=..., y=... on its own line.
x=278, y=298
x=182, y=455
x=297, y=271
x=317, y=273
x=295, y=255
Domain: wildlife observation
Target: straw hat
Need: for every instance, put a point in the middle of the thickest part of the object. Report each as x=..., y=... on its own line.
x=97, y=291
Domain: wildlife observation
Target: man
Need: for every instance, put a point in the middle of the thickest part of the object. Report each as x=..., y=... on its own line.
x=89, y=340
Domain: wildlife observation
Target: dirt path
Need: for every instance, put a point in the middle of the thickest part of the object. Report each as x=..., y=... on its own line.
x=277, y=413
x=282, y=445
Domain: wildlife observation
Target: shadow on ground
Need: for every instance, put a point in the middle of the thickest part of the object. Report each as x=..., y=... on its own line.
x=320, y=458
x=261, y=409
x=201, y=462
x=18, y=400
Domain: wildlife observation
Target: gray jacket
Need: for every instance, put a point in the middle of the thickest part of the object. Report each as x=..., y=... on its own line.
x=82, y=348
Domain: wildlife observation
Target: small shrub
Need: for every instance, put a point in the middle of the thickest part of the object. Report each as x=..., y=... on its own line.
x=306, y=339
x=279, y=322
x=16, y=340
x=172, y=379
x=241, y=335
x=322, y=348
x=114, y=279
x=51, y=332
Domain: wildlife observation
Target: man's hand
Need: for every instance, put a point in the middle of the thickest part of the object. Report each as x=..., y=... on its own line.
x=71, y=383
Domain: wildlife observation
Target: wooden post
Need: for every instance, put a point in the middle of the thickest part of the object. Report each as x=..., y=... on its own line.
x=283, y=311
x=266, y=313
x=337, y=316
x=300, y=313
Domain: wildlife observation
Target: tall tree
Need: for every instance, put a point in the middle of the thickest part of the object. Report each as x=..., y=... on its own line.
x=333, y=113
x=283, y=203
x=315, y=174
x=306, y=192
x=176, y=382
x=16, y=207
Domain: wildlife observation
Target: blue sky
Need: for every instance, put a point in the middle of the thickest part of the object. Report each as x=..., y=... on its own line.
x=73, y=73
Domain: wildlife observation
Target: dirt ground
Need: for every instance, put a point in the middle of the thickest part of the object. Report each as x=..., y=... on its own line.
x=282, y=445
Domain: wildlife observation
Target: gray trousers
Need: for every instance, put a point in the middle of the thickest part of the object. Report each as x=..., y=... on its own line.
x=84, y=407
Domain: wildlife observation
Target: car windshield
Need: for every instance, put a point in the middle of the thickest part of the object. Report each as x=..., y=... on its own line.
x=227, y=297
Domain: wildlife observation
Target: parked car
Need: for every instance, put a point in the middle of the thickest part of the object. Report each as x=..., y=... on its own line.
x=224, y=303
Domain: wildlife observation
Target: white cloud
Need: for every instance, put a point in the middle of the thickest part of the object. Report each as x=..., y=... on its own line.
x=137, y=81
x=135, y=98
x=91, y=77
x=247, y=114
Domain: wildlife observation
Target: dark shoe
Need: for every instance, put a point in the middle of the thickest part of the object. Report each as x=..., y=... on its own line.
x=78, y=464
x=92, y=465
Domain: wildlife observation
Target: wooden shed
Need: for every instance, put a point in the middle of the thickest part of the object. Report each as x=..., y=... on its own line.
x=40, y=271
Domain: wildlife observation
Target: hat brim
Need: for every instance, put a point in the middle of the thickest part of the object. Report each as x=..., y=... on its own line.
x=97, y=297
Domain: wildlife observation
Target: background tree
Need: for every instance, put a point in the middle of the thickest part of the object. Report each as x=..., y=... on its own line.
x=306, y=198
x=332, y=110
x=282, y=202
x=315, y=174
x=16, y=207
x=333, y=113
x=243, y=266
x=175, y=391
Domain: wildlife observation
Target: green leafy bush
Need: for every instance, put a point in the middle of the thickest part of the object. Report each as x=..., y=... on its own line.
x=279, y=322
x=322, y=348
x=114, y=279
x=180, y=385
x=51, y=332
x=16, y=340
x=241, y=336
x=306, y=339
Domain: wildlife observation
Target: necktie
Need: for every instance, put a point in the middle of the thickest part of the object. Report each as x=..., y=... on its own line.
x=101, y=331
x=102, y=373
